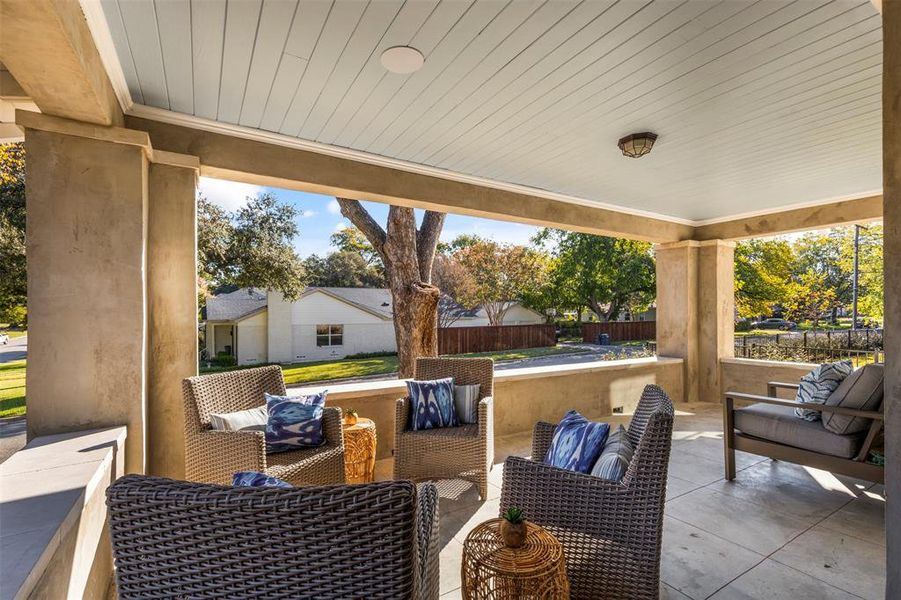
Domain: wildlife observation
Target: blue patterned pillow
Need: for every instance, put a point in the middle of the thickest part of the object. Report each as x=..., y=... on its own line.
x=818, y=385
x=615, y=457
x=432, y=404
x=294, y=422
x=577, y=443
x=255, y=479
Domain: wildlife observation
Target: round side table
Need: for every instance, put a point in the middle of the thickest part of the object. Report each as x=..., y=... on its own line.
x=492, y=570
x=359, y=451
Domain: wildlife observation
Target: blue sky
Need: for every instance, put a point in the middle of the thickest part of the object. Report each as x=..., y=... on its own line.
x=320, y=216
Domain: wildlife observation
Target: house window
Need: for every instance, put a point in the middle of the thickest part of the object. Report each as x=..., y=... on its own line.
x=329, y=335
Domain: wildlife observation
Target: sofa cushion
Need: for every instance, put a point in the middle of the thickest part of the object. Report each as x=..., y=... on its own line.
x=432, y=404
x=295, y=422
x=862, y=390
x=818, y=385
x=577, y=443
x=615, y=457
x=779, y=424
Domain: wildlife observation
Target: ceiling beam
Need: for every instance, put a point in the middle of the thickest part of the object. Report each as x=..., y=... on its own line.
x=821, y=216
x=228, y=156
x=47, y=46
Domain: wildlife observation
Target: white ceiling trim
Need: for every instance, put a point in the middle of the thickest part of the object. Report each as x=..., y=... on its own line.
x=100, y=30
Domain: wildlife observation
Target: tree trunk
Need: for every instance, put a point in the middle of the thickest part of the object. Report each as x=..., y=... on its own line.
x=407, y=255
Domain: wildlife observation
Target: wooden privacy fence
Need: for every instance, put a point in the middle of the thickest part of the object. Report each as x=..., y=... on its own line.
x=462, y=340
x=620, y=331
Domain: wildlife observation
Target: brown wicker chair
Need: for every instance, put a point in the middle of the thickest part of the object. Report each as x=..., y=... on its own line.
x=214, y=456
x=610, y=531
x=465, y=452
x=176, y=539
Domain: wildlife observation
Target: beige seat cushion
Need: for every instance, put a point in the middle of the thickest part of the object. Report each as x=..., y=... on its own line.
x=779, y=424
x=862, y=390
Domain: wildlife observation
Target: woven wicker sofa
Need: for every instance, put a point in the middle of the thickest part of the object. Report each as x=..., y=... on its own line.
x=769, y=427
x=188, y=540
x=610, y=531
x=465, y=452
x=214, y=456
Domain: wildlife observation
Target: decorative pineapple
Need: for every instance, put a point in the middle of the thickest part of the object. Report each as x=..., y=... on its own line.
x=513, y=528
x=350, y=417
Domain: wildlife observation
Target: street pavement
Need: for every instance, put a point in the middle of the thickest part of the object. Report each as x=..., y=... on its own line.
x=16, y=349
x=12, y=430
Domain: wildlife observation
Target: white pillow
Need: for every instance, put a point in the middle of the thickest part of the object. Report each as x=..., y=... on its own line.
x=466, y=403
x=252, y=419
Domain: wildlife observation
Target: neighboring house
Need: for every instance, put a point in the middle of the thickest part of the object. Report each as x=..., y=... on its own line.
x=324, y=323
x=516, y=314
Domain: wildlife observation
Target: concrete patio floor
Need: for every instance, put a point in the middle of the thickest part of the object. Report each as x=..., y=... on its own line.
x=779, y=531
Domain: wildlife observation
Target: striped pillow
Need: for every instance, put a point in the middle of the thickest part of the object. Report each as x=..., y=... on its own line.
x=818, y=385
x=615, y=457
x=466, y=401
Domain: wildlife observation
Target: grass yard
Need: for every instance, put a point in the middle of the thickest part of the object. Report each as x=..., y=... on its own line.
x=309, y=372
x=12, y=389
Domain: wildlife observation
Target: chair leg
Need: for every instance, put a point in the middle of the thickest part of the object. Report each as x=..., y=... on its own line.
x=728, y=437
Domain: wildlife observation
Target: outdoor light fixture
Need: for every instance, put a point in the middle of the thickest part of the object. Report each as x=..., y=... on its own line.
x=402, y=59
x=637, y=144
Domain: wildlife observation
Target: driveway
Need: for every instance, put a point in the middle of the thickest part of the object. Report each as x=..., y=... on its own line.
x=16, y=349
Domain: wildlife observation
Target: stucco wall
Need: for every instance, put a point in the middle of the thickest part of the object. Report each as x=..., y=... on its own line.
x=222, y=337
x=279, y=329
x=253, y=345
x=525, y=396
x=751, y=376
x=516, y=315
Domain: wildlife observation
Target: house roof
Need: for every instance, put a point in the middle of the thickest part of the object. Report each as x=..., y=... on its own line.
x=235, y=305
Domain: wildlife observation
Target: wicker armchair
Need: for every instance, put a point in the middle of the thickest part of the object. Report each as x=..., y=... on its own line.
x=465, y=452
x=610, y=531
x=214, y=456
x=195, y=540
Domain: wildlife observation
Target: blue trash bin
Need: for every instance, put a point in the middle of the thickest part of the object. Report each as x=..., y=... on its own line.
x=603, y=339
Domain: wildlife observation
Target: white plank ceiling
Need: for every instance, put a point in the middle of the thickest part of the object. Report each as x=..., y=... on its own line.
x=758, y=104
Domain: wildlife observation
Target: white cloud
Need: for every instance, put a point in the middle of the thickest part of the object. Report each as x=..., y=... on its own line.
x=341, y=225
x=333, y=207
x=307, y=214
x=229, y=195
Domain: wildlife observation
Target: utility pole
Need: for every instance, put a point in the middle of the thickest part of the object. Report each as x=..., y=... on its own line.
x=857, y=229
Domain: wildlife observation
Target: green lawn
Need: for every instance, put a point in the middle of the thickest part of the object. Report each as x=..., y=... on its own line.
x=309, y=372
x=12, y=388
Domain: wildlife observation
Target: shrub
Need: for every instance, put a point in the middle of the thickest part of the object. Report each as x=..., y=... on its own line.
x=743, y=326
x=224, y=359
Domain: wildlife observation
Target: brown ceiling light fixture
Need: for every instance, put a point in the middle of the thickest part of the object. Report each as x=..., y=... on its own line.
x=637, y=144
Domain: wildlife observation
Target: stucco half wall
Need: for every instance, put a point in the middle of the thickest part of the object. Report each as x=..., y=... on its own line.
x=750, y=376
x=524, y=396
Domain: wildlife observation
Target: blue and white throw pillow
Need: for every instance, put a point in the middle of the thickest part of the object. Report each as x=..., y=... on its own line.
x=294, y=422
x=466, y=403
x=615, y=457
x=432, y=404
x=256, y=479
x=577, y=443
x=818, y=385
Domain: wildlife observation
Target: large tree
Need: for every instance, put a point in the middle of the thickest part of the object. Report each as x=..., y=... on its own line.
x=252, y=247
x=763, y=273
x=829, y=255
x=809, y=298
x=499, y=276
x=13, y=281
x=452, y=279
x=608, y=275
x=407, y=253
x=344, y=268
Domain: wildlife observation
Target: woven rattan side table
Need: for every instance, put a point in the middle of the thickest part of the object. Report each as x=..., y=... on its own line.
x=536, y=570
x=359, y=451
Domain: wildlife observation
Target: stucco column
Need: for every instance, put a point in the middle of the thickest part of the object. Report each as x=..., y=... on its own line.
x=695, y=312
x=891, y=190
x=172, y=306
x=716, y=314
x=86, y=224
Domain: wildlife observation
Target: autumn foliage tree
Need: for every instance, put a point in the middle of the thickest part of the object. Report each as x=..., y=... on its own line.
x=12, y=234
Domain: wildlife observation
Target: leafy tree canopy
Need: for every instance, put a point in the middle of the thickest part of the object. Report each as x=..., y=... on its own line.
x=344, y=268
x=763, y=272
x=13, y=283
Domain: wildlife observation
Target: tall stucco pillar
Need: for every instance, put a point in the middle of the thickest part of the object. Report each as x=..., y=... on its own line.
x=891, y=190
x=716, y=314
x=86, y=189
x=677, y=315
x=172, y=307
x=695, y=312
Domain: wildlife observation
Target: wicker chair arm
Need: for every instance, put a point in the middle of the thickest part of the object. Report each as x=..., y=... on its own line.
x=486, y=415
x=541, y=439
x=401, y=415
x=332, y=427
x=541, y=491
x=427, y=536
x=230, y=451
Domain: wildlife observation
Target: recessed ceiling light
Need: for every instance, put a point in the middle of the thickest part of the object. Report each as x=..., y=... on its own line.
x=402, y=59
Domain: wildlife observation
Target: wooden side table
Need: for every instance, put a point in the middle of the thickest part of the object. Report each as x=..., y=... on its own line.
x=492, y=570
x=359, y=451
